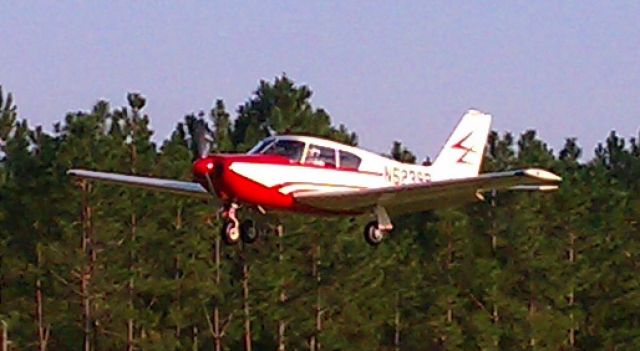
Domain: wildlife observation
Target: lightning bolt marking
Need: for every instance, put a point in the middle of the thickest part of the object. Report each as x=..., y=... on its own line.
x=459, y=145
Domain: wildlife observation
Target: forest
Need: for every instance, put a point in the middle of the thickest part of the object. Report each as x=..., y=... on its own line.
x=86, y=266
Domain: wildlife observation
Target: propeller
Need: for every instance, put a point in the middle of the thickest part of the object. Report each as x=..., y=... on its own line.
x=202, y=138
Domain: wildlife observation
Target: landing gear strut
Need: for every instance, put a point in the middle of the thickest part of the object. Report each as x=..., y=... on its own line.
x=231, y=226
x=375, y=231
x=233, y=230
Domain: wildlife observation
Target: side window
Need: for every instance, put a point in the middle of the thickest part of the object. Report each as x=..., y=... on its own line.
x=321, y=156
x=349, y=160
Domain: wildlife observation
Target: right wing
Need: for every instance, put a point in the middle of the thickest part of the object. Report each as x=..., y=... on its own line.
x=167, y=185
x=429, y=196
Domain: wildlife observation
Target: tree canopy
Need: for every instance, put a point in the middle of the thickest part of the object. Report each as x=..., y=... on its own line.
x=95, y=266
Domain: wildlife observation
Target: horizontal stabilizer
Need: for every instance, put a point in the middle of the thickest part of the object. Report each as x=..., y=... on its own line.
x=534, y=187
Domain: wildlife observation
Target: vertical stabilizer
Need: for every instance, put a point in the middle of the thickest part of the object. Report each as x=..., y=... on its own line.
x=462, y=155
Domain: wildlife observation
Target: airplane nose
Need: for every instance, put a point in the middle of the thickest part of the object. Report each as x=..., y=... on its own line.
x=209, y=172
x=210, y=166
x=203, y=167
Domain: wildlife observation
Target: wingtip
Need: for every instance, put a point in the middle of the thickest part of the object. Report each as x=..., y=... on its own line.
x=543, y=175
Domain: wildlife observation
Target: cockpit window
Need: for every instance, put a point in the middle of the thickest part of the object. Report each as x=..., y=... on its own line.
x=260, y=146
x=291, y=149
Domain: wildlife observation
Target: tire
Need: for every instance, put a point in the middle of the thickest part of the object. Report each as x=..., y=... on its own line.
x=372, y=234
x=248, y=232
x=230, y=234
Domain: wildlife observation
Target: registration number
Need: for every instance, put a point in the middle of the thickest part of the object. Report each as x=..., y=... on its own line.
x=398, y=175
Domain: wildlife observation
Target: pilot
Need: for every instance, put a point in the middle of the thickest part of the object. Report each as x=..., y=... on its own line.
x=313, y=157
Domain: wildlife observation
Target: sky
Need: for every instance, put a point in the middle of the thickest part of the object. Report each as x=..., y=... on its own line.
x=388, y=70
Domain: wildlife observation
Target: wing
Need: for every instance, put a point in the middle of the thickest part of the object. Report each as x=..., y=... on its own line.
x=434, y=195
x=168, y=185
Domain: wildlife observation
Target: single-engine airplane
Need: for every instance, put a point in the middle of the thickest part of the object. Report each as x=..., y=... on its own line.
x=304, y=174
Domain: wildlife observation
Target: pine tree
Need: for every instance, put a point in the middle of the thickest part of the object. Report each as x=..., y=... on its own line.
x=18, y=243
x=81, y=137
x=490, y=293
x=103, y=267
x=8, y=116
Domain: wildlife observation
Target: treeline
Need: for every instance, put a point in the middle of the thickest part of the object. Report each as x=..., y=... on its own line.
x=88, y=266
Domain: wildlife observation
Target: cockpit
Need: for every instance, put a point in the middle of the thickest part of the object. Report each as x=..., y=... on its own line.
x=307, y=152
x=291, y=149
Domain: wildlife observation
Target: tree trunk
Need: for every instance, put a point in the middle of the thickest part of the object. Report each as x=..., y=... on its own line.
x=494, y=235
x=314, y=343
x=87, y=271
x=176, y=265
x=396, y=336
x=282, y=325
x=449, y=263
x=4, y=337
x=245, y=302
x=43, y=332
x=572, y=260
x=130, y=287
x=217, y=333
x=217, y=327
x=194, y=343
x=1, y=274
x=495, y=317
x=132, y=239
x=176, y=276
x=532, y=311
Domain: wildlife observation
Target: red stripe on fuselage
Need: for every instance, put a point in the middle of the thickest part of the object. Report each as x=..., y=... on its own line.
x=230, y=186
x=342, y=186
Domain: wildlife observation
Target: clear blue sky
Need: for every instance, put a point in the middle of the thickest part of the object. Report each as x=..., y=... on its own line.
x=396, y=70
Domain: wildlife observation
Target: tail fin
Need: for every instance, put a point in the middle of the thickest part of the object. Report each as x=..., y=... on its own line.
x=462, y=155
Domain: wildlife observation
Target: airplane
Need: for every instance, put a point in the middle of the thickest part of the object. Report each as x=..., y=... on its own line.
x=310, y=175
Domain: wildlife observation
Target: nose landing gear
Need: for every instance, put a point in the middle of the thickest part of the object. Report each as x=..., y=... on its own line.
x=233, y=230
x=231, y=226
x=230, y=233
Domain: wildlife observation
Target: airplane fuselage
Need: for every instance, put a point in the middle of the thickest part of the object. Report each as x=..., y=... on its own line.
x=271, y=181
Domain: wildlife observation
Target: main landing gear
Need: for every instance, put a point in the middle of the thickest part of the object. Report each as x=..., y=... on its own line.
x=376, y=231
x=233, y=230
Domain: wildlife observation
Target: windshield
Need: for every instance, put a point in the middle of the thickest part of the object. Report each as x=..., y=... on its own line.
x=290, y=149
x=260, y=146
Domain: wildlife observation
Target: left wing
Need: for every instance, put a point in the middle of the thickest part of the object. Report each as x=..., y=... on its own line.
x=167, y=185
x=428, y=196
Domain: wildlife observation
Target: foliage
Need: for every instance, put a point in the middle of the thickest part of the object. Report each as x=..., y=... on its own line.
x=520, y=271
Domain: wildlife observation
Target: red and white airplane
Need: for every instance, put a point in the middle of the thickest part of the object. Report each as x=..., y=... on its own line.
x=292, y=173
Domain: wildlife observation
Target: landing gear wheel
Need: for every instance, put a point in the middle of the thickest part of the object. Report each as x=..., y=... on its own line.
x=373, y=234
x=248, y=232
x=230, y=233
